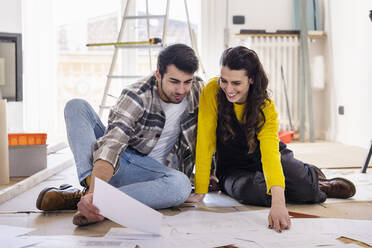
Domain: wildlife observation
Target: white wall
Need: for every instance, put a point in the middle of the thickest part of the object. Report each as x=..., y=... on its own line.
x=212, y=30
x=11, y=22
x=350, y=52
x=264, y=14
x=39, y=70
x=347, y=50
x=270, y=15
x=10, y=16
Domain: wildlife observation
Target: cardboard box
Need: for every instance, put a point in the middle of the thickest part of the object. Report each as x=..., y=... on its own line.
x=25, y=161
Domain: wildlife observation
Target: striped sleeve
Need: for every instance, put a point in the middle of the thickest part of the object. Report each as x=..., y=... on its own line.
x=122, y=119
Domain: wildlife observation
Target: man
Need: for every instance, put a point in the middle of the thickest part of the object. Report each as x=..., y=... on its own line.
x=148, y=148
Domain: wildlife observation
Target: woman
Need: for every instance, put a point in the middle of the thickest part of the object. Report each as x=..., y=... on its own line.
x=238, y=122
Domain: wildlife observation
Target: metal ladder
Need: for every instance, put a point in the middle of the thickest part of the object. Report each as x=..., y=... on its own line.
x=150, y=43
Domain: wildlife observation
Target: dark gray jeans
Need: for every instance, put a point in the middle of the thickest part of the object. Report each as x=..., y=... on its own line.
x=249, y=187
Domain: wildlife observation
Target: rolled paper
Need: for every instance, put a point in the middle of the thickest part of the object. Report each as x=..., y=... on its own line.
x=4, y=152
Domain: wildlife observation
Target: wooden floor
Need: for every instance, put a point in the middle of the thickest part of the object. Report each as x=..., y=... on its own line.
x=21, y=210
x=330, y=155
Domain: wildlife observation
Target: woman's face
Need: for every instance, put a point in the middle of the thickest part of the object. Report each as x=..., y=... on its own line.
x=235, y=84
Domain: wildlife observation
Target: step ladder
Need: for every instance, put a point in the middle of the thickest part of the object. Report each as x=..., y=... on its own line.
x=148, y=44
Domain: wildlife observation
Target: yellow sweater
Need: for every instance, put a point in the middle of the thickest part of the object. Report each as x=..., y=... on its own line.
x=206, y=141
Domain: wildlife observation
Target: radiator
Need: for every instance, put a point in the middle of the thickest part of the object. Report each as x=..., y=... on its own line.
x=275, y=51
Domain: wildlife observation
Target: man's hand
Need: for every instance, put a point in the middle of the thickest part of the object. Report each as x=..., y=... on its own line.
x=104, y=171
x=86, y=208
x=195, y=198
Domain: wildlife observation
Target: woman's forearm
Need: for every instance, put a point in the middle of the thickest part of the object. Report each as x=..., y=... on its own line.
x=277, y=194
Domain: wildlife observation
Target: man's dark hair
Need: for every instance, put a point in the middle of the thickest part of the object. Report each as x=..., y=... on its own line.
x=180, y=55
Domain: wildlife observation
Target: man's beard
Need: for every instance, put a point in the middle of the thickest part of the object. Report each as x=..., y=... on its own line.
x=169, y=100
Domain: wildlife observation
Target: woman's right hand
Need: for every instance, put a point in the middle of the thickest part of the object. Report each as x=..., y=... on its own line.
x=195, y=198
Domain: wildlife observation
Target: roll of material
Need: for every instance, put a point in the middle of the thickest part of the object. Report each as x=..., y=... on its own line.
x=4, y=153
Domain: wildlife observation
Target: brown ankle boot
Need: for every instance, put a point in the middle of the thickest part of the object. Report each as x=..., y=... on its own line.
x=337, y=187
x=320, y=173
x=63, y=198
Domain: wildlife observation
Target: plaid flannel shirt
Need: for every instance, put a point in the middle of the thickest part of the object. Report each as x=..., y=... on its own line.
x=137, y=120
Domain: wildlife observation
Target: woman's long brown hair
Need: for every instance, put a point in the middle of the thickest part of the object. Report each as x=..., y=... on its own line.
x=242, y=58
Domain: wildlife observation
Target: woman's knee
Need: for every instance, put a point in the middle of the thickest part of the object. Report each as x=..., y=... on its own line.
x=302, y=184
x=248, y=190
x=303, y=193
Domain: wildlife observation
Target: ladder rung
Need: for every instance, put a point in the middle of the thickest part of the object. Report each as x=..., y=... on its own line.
x=140, y=46
x=145, y=17
x=104, y=107
x=112, y=96
x=124, y=76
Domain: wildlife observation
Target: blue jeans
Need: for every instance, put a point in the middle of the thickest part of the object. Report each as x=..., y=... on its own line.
x=140, y=177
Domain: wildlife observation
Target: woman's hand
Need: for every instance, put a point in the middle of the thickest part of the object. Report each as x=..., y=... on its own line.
x=278, y=216
x=195, y=198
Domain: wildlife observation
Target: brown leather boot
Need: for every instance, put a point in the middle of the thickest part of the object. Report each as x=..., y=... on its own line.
x=337, y=187
x=63, y=198
x=320, y=173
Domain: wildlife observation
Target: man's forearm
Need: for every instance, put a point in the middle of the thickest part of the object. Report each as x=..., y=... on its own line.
x=103, y=170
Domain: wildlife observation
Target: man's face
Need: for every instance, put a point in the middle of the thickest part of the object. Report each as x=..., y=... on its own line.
x=174, y=85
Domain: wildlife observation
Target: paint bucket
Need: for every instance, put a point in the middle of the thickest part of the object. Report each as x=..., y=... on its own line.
x=286, y=136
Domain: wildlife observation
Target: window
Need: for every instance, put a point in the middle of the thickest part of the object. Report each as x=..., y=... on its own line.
x=80, y=71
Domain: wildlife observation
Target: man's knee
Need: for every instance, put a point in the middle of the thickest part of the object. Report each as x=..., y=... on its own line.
x=180, y=184
x=75, y=106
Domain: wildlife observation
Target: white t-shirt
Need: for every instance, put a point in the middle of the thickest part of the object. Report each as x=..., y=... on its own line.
x=170, y=132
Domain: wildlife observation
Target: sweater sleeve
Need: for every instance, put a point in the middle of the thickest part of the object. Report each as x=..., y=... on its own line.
x=269, y=146
x=206, y=139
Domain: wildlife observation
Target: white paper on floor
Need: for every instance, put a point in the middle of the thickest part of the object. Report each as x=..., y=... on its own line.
x=171, y=239
x=125, y=210
x=13, y=231
x=9, y=236
x=18, y=242
x=76, y=241
x=245, y=229
x=219, y=199
x=251, y=226
x=206, y=229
